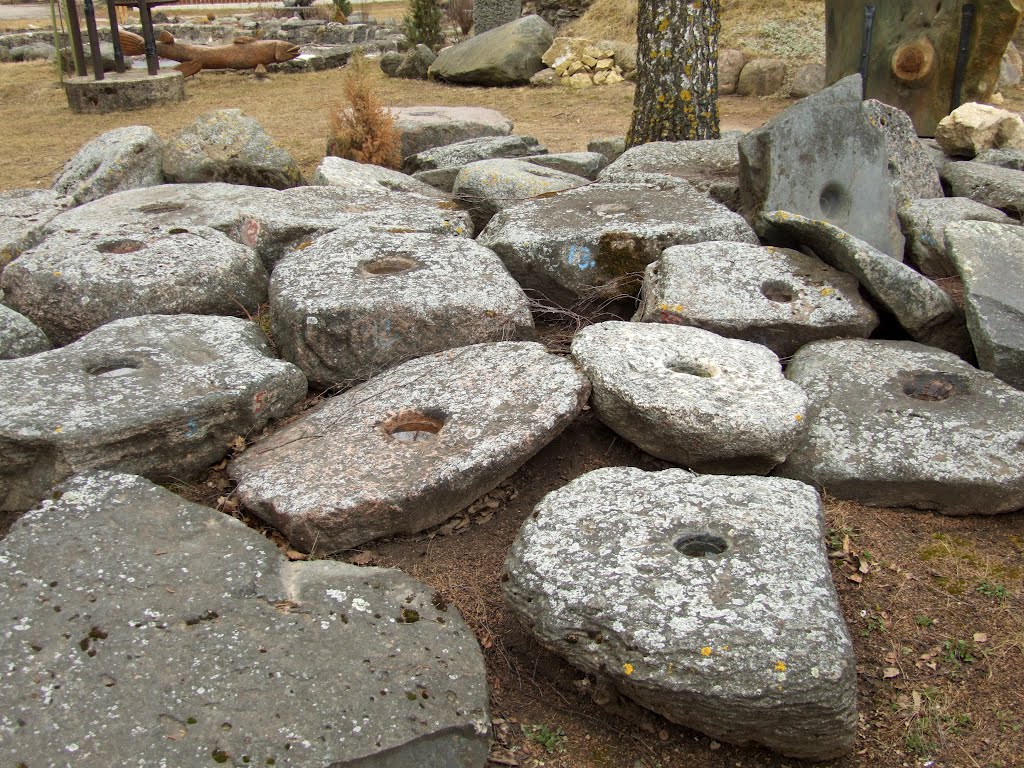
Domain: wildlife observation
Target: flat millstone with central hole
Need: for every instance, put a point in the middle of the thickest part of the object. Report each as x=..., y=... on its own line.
x=900, y=424
x=411, y=447
x=692, y=397
x=150, y=631
x=161, y=396
x=352, y=304
x=707, y=599
x=773, y=296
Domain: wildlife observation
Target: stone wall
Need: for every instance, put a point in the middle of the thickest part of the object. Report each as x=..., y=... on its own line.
x=557, y=13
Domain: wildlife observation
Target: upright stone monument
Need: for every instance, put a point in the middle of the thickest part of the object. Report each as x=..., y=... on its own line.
x=488, y=14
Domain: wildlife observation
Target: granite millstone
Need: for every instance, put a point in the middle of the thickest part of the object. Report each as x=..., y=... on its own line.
x=924, y=224
x=990, y=259
x=424, y=128
x=143, y=630
x=24, y=214
x=691, y=397
x=899, y=424
x=19, y=336
x=352, y=305
x=124, y=158
x=161, y=396
x=73, y=283
x=706, y=599
x=585, y=164
x=772, y=296
x=339, y=172
x=591, y=245
x=1001, y=188
x=468, y=151
x=411, y=447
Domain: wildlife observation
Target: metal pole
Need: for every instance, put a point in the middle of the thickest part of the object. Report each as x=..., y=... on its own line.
x=966, y=30
x=74, y=28
x=152, y=61
x=94, y=39
x=118, y=53
x=865, y=47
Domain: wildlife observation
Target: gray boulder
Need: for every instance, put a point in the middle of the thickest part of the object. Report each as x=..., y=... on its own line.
x=691, y=397
x=506, y=55
x=924, y=225
x=206, y=646
x=899, y=424
x=730, y=64
x=488, y=14
x=585, y=164
x=160, y=396
x=24, y=213
x=589, y=246
x=1004, y=158
x=416, y=63
x=226, y=145
x=411, y=447
x=33, y=52
x=990, y=259
x=761, y=77
x=352, y=305
x=440, y=166
x=912, y=174
x=488, y=186
x=124, y=158
x=73, y=283
x=808, y=80
x=919, y=305
x=706, y=599
x=338, y=172
x=611, y=147
x=19, y=336
x=824, y=159
x=777, y=297
x=424, y=128
x=991, y=185
x=390, y=61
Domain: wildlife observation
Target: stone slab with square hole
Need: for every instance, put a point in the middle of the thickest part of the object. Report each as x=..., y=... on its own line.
x=924, y=224
x=424, y=128
x=19, y=336
x=352, y=305
x=160, y=396
x=990, y=259
x=899, y=424
x=991, y=185
x=141, y=629
x=772, y=296
x=692, y=397
x=591, y=245
x=74, y=282
x=823, y=158
x=24, y=214
x=707, y=599
x=411, y=447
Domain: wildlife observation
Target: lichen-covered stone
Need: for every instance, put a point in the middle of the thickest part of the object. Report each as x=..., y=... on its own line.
x=1001, y=188
x=423, y=128
x=411, y=447
x=899, y=424
x=692, y=397
x=338, y=172
x=352, y=305
x=124, y=158
x=585, y=164
x=611, y=146
x=924, y=224
x=761, y=77
x=777, y=297
x=973, y=128
x=161, y=396
x=183, y=638
x=506, y=55
x=1004, y=158
x=74, y=282
x=24, y=214
x=706, y=599
x=912, y=174
x=19, y=336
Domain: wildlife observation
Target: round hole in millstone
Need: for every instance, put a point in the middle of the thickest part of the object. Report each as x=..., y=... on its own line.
x=700, y=544
x=120, y=246
x=693, y=368
x=777, y=291
x=114, y=369
x=393, y=264
x=834, y=201
x=414, y=427
x=930, y=386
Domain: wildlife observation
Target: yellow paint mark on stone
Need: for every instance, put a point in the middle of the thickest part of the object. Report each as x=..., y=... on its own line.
x=627, y=668
x=705, y=651
x=780, y=666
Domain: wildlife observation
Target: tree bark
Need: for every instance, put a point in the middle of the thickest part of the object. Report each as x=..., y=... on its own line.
x=677, y=71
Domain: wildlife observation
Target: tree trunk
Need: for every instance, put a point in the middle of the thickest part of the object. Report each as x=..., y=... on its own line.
x=677, y=71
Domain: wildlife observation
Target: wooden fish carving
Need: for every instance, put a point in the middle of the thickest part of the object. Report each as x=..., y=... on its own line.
x=244, y=53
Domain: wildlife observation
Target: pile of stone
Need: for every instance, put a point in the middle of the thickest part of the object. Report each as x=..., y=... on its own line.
x=581, y=62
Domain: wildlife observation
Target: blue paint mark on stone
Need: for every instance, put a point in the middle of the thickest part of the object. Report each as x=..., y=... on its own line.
x=191, y=428
x=580, y=256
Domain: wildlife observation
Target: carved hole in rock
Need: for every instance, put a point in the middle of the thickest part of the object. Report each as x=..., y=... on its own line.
x=607, y=209
x=161, y=207
x=930, y=386
x=834, y=201
x=114, y=369
x=692, y=368
x=393, y=264
x=777, y=291
x=700, y=544
x=414, y=426
x=120, y=246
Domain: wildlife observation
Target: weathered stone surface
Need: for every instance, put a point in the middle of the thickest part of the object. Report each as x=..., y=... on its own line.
x=730, y=64
x=124, y=158
x=119, y=92
x=488, y=186
x=924, y=224
x=691, y=397
x=19, y=336
x=611, y=147
x=338, y=172
x=23, y=215
x=352, y=305
x=506, y=55
x=546, y=77
x=206, y=646
x=73, y=283
x=706, y=599
x=161, y=396
x=411, y=447
x=1011, y=68
x=33, y=52
x=899, y=424
x=416, y=63
x=822, y=158
x=990, y=259
x=424, y=128
x=585, y=164
x=808, y=79
x=591, y=245
x=761, y=77
x=991, y=185
x=924, y=310
x=226, y=145
x=1004, y=158
x=912, y=174
x=452, y=158
x=772, y=296
x=390, y=62
x=973, y=128
x=488, y=14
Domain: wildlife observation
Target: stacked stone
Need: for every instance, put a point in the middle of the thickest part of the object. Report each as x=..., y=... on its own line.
x=581, y=63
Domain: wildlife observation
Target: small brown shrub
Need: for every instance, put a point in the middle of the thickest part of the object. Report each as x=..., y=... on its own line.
x=460, y=14
x=363, y=130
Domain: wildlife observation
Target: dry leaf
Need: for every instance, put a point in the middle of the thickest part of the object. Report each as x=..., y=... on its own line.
x=294, y=554
x=363, y=558
x=917, y=699
x=865, y=566
x=980, y=637
x=856, y=578
x=890, y=672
